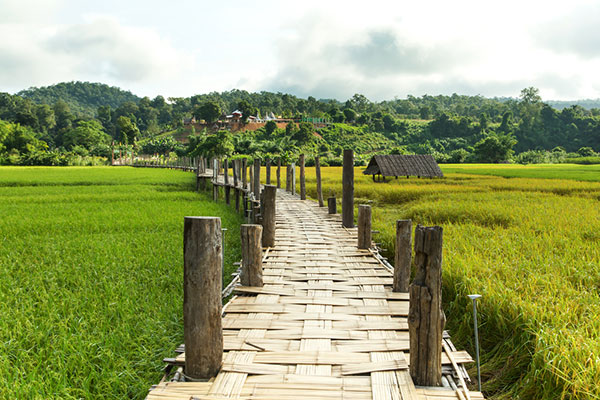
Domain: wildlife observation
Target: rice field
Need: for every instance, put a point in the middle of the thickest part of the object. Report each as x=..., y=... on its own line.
x=91, y=277
x=528, y=240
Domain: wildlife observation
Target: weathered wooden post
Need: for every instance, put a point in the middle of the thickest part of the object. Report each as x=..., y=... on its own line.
x=278, y=172
x=268, y=217
x=203, y=335
x=236, y=190
x=293, y=172
x=364, y=226
x=402, y=258
x=348, y=189
x=198, y=173
x=245, y=185
x=426, y=319
x=268, y=172
x=256, y=188
x=251, y=255
x=215, y=180
x=302, y=178
x=319, y=188
x=256, y=217
x=244, y=175
x=332, y=205
x=251, y=178
x=112, y=153
x=226, y=181
x=288, y=177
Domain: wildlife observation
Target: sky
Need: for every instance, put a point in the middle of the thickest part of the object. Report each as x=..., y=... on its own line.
x=325, y=49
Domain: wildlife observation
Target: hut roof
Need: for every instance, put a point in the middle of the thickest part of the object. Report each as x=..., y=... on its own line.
x=403, y=165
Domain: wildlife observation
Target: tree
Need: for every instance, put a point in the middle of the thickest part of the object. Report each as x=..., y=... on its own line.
x=127, y=129
x=270, y=127
x=210, y=111
x=586, y=152
x=247, y=109
x=304, y=133
x=494, y=148
x=87, y=134
x=63, y=116
x=349, y=114
x=219, y=144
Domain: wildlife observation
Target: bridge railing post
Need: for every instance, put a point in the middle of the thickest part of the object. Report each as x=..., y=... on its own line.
x=203, y=334
x=268, y=216
x=348, y=189
x=302, y=178
x=402, y=256
x=364, y=226
x=319, y=188
x=426, y=319
x=278, y=172
x=332, y=205
x=251, y=255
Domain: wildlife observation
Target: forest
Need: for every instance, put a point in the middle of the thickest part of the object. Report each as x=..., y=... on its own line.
x=77, y=122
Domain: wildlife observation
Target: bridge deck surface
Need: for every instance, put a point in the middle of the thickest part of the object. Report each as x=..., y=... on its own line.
x=326, y=324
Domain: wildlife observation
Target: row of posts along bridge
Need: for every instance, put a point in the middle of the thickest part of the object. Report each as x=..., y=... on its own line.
x=241, y=187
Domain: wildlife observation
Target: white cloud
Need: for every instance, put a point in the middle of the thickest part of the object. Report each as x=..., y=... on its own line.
x=325, y=49
x=100, y=50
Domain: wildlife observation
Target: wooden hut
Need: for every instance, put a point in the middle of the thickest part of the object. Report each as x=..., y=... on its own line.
x=403, y=165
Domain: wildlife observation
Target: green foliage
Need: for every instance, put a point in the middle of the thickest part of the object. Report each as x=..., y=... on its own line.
x=162, y=146
x=218, y=144
x=128, y=131
x=83, y=98
x=270, y=127
x=210, y=111
x=494, y=149
x=87, y=134
x=91, y=277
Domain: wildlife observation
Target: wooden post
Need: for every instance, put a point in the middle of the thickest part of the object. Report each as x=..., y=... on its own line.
x=203, y=335
x=215, y=180
x=403, y=255
x=302, y=179
x=426, y=319
x=226, y=180
x=251, y=255
x=278, y=172
x=348, y=189
x=268, y=172
x=198, y=177
x=256, y=188
x=244, y=175
x=293, y=172
x=112, y=153
x=319, y=188
x=364, y=226
x=251, y=178
x=236, y=190
x=268, y=217
x=256, y=217
x=288, y=177
x=332, y=205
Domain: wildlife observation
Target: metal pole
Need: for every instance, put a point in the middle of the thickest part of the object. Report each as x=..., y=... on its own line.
x=474, y=297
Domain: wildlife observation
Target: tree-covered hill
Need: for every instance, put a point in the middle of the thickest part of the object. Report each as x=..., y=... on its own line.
x=83, y=98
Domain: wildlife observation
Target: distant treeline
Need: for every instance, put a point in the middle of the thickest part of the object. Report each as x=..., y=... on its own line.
x=83, y=118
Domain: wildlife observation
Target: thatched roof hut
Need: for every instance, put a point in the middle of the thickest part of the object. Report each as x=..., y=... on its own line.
x=403, y=165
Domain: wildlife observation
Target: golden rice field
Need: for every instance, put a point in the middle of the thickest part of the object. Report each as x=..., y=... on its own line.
x=529, y=242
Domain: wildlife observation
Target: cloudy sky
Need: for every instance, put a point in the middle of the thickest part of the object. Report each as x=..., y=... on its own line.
x=324, y=48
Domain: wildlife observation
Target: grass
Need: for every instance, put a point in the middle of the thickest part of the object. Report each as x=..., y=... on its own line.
x=524, y=237
x=91, y=277
x=545, y=171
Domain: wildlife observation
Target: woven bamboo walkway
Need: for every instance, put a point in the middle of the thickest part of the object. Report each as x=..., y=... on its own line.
x=326, y=324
